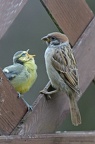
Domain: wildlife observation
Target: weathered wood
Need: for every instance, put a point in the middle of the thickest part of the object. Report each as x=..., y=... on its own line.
x=12, y=109
x=71, y=17
x=9, y=9
x=62, y=138
x=48, y=115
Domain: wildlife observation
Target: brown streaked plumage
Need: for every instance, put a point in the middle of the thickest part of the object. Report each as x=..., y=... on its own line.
x=62, y=70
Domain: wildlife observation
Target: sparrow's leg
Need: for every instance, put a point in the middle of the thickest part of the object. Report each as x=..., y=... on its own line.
x=45, y=90
x=48, y=93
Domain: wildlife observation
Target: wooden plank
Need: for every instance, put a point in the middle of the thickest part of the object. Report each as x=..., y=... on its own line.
x=71, y=17
x=9, y=9
x=62, y=138
x=12, y=109
x=48, y=115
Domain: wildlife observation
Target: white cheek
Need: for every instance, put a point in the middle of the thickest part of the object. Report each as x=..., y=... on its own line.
x=6, y=70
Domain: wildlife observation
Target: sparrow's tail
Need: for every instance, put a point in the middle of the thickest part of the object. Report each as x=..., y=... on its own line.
x=74, y=110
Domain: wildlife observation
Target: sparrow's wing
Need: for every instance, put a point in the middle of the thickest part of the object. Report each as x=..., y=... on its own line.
x=13, y=70
x=64, y=62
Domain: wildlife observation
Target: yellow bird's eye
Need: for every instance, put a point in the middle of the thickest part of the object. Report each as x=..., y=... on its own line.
x=23, y=54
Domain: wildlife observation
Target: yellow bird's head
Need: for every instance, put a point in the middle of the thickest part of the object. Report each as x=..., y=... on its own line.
x=22, y=57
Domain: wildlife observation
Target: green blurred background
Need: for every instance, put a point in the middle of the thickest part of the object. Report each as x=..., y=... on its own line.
x=31, y=24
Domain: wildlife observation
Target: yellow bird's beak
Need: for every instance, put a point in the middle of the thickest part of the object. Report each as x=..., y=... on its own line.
x=30, y=56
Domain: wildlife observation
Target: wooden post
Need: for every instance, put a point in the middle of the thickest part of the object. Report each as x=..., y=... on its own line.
x=8, y=12
x=12, y=109
x=48, y=115
x=71, y=17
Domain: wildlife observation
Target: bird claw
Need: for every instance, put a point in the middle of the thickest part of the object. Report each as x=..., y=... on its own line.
x=19, y=95
x=45, y=92
x=48, y=97
x=30, y=108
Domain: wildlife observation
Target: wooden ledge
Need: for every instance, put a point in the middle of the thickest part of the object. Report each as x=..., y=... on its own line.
x=62, y=138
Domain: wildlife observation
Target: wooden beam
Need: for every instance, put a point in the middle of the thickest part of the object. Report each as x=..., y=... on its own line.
x=12, y=109
x=62, y=138
x=71, y=17
x=8, y=12
x=48, y=115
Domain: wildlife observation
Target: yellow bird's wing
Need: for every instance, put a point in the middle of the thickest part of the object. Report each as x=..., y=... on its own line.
x=13, y=70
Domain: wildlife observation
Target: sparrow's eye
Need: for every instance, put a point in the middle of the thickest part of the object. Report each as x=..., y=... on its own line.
x=53, y=38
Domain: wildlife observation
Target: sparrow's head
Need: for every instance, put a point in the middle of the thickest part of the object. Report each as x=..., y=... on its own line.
x=22, y=57
x=55, y=38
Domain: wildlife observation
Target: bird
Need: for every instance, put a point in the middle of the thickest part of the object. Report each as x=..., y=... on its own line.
x=62, y=71
x=22, y=73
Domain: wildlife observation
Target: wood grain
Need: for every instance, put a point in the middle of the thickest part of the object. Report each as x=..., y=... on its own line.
x=48, y=115
x=8, y=12
x=71, y=17
x=12, y=109
x=62, y=138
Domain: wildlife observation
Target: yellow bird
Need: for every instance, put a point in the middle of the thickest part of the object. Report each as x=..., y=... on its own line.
x=23, y=73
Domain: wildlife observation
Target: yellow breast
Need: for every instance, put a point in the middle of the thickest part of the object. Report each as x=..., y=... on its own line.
x=24, y=81
x=23, y=87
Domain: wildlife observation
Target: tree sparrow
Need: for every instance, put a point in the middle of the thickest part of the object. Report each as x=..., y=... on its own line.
x=62, y=71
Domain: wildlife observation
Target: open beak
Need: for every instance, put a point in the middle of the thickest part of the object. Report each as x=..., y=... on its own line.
x=30, y=56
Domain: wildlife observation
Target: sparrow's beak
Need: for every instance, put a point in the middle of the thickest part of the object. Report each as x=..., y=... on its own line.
x=45, y=38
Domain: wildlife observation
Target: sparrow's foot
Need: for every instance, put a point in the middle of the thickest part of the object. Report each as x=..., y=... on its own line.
x=45, y=92
x=28, y=106
x=48, y=92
